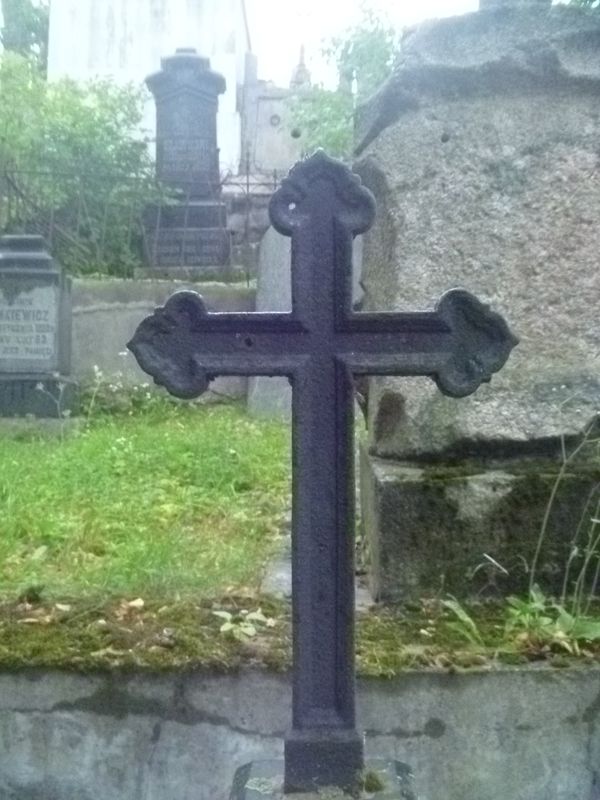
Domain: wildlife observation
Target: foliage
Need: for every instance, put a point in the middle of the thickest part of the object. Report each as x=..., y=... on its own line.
x=324, y=119
x=25, y=30
x=111, y=396
x=71, y=156
x=582, y=570
x=464, y=624
x=243, y=624
x=538, y=621
x=363, y=58
x=364, y=54
x=592, y=4
x=164, y=502
x=143, y=632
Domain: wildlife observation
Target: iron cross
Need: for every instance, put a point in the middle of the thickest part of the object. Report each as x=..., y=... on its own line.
x=320, y=346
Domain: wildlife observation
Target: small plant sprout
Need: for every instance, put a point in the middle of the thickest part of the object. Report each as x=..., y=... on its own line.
x=243, y=624
x=464, y=624
x=57, y=399
x=538, y=621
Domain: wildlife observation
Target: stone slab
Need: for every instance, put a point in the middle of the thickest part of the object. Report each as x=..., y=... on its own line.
x=29, y=328
x=500, y=734
x=472, y=529
x=190, y=247
x=263, y=780
x=35, y=309
x=194, y=214
x=480, y=151
x=22, y=396
x=186, y=93
x=106, y=312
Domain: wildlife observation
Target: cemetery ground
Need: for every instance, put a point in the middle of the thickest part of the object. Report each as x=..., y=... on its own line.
x=140, y=537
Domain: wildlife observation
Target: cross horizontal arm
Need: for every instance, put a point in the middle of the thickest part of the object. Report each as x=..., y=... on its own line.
x=460, y=344
x=183, y=347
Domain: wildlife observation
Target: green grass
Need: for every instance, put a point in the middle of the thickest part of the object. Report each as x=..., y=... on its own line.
x=175, y=501
x=119, y=543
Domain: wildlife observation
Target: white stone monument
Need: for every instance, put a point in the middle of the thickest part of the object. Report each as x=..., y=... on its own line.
x=125, y=40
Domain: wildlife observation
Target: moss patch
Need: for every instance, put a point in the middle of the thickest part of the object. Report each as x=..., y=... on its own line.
x=126, y=634
x=129, y=633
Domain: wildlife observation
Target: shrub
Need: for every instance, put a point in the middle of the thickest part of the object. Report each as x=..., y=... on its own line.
x=74, y=166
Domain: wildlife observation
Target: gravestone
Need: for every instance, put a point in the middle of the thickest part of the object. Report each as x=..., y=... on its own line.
x=188, y=232
x=482, y=152
x=124, y=40
x=271, y=398
x=35, y=330
x=320, y=346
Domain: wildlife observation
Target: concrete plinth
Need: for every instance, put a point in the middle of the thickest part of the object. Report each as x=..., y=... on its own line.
x=382, y=780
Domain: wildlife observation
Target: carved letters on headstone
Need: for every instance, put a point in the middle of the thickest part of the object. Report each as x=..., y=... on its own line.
x=320, y=346
x=35, y=326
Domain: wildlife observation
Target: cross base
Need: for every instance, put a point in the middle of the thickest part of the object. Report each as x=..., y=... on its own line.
x=382, y=779
x=329, y=758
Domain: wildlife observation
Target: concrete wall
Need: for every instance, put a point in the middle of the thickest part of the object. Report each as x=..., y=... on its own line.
x=502, y=735
x=107, y=312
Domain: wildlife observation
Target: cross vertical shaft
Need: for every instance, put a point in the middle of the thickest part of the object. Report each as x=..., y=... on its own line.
x=323, y=746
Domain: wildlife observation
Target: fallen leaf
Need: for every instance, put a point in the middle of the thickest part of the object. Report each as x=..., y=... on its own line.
x=108, y=651
x=39, y=553
x=40, y=620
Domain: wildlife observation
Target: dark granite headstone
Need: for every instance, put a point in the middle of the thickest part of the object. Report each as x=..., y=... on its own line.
x=188, y=231
x=35, y=330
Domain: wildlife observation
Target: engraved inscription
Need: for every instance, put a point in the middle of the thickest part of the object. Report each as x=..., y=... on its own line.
x=183, y=155
x=28, y=329
x=192, y=248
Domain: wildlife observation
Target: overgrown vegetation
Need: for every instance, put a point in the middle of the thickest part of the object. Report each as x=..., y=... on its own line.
x=591, y=4
x=363, y=56
x=25, y=30
x=171, y=633
x=73, y=166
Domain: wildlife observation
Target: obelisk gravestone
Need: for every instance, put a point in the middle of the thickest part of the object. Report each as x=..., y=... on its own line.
x=188, y=231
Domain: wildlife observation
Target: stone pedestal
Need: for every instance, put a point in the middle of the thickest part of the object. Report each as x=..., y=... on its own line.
x=473, y=529
x=35, y=330
x=480, y=160
x=189, y=229
x=382, y=780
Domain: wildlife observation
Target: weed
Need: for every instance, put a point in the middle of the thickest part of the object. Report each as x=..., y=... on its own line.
x=538, y=621
x=243, y=624
x=589, y=550
x=464, y=624
x=58, y=400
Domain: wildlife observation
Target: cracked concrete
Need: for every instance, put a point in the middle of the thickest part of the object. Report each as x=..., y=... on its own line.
x=511, y=734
